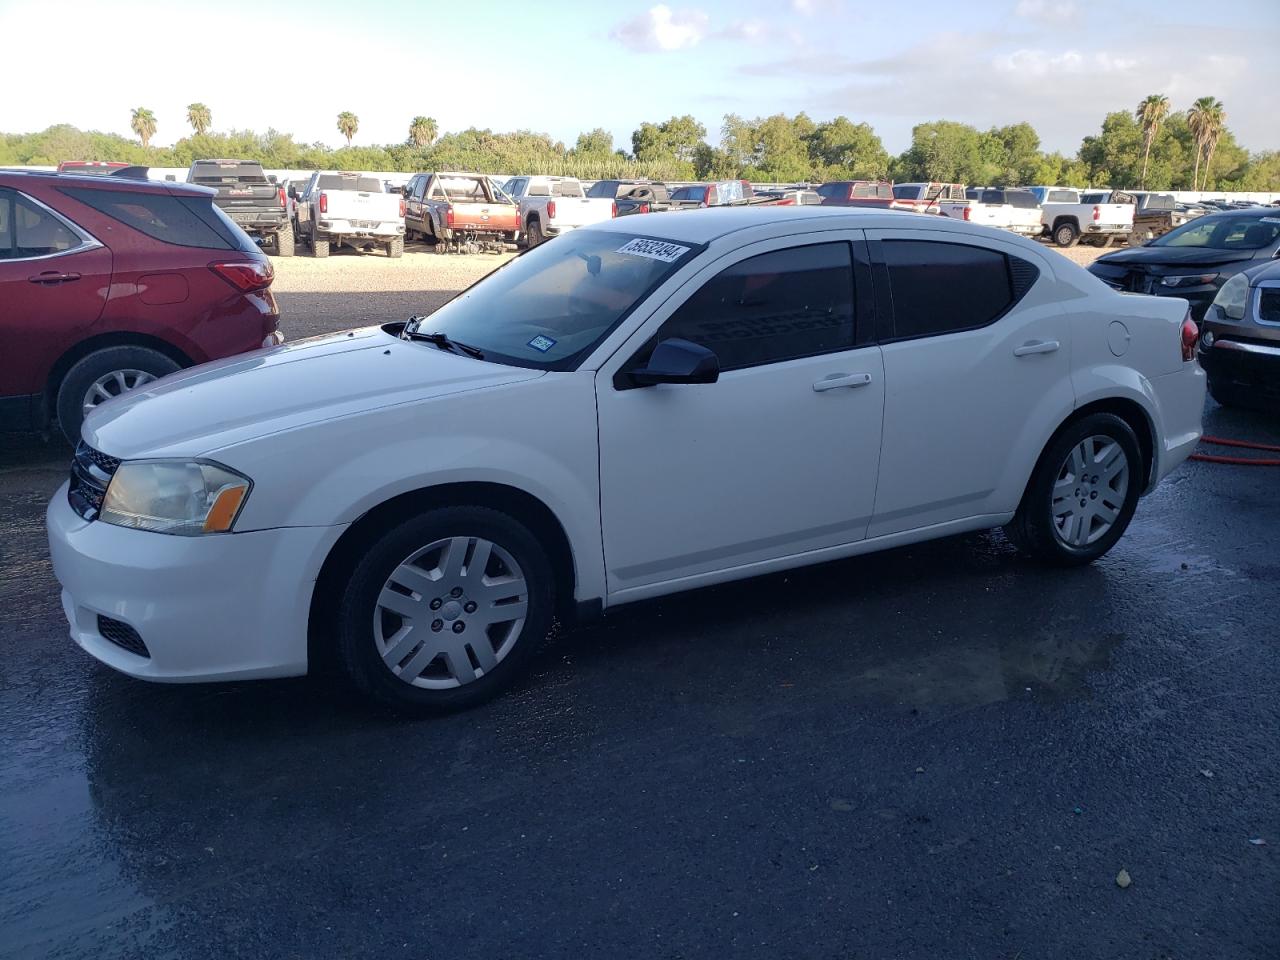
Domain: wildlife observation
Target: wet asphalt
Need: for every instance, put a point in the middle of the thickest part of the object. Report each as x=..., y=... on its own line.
x=940, y=751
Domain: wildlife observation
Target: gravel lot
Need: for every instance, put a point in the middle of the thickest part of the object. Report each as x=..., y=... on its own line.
x=352, y=289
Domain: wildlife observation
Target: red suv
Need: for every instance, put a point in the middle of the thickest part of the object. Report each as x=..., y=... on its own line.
x=109, y=283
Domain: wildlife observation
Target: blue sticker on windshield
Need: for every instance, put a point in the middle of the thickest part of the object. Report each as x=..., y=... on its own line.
x=542, y=343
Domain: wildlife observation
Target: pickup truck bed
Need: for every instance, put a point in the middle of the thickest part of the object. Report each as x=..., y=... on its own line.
x=245, y=194
x=1014, y=210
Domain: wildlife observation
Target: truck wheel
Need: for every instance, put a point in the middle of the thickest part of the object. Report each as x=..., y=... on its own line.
x=1066, y=234
x=284, y=241
x=395, y=249
x=533, y=236
x=103, y=375
x=319, y=245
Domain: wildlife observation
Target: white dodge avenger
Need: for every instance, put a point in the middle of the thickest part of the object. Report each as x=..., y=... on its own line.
x=646, y=406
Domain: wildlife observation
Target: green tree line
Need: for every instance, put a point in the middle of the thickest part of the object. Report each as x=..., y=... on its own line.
x=1151, y=146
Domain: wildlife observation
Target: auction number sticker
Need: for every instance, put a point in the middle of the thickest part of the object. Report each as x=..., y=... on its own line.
x=654, y=250
x=541, y=343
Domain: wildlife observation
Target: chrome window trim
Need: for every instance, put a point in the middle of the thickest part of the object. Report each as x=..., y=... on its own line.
x=87, y=240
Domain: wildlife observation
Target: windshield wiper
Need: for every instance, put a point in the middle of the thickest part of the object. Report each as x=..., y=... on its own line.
x=440, y=340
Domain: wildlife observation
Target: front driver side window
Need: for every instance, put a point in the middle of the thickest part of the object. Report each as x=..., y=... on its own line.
x=776, y=306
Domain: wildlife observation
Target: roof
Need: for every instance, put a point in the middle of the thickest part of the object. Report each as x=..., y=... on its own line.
x=105, y=183
x=711, y=223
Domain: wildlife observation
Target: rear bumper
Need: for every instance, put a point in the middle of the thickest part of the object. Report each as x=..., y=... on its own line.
x=1180, y=400
x=261, y=221
x=1244, y=365
x=385, y=230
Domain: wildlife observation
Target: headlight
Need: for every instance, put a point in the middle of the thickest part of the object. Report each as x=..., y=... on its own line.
x=1233, y=297
x=1191, y=280
x=188, y=499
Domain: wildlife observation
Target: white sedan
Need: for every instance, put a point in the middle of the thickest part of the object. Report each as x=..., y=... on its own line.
x=646, y=406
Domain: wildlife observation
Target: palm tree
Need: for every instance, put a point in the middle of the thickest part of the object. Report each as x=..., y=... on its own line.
x=144, y=125
x=1201, y=118
x=200, y=118
x=348, y=124
x=422, y=131
x=1150, y=113
x=1217, y=124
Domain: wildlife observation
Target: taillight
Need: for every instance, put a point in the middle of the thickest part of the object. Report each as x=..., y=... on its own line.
x=245, y=275
x=613, y=209
x=324, y=203
x=709, y=197
x=1097, y=214
x=402, y=206
x=280, y=194
x=551, y=209
x=968, y=213
x=1190, y=334
x=643, y=208
x=448, y=216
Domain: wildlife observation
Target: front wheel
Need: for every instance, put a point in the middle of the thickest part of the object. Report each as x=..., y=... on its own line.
x=284, y=241
x=445, y=610
x=1082, y=494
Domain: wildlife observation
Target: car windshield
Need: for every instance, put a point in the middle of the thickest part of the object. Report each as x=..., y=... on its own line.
x=550, y=306
x=1224, y=233
x=696, y=192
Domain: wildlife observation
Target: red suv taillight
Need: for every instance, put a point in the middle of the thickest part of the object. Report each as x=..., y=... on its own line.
x=245, y=275
x=1097, y=214
x=551, y=209
x=1190, y=334
x=324, y=203
x=448, y=216
x=402, y=206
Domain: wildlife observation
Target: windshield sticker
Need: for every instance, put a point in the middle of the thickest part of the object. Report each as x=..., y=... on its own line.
x=541, y=343
x=654, y=250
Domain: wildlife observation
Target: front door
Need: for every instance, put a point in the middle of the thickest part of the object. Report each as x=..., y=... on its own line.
x=776, y=459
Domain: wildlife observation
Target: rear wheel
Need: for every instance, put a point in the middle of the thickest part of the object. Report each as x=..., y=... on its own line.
x=102, y=376
x=533, y=236
x=284, y=241
x=395, y=248
x=319, y=244
x=1082, y=494
x=445, y=610
x=1066, y=234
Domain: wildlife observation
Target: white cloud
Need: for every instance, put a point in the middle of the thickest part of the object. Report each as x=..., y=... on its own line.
x=1047, y=11
x=661, y=28
x=1040, y=63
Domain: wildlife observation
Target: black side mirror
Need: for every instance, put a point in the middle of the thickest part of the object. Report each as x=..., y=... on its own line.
x=293, y=193
x=678, y=361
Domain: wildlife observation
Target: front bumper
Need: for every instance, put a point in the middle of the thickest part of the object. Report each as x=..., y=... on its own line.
x=1248, y=365
x=223, y=607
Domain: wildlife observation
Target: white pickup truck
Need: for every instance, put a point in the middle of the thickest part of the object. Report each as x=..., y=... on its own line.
x=1014, y=210
x=555, y=205
x=1066, y=219
x=351, y=208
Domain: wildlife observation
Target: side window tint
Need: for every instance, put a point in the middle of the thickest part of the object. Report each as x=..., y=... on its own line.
x=945, y=287
x=159, y=215
x=26, y=230
x=772, y=307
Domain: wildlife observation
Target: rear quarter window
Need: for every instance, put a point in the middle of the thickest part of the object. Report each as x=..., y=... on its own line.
x=177, y=220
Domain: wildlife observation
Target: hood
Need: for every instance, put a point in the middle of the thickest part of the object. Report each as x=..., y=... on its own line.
x=1173, y=257
x=195, y=411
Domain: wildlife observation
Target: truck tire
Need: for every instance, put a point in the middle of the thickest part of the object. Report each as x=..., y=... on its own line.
x=104, y=374
x=319, y=245
x=1065, y=234
x=395, y=248
x=533, y=236
x=284, y=241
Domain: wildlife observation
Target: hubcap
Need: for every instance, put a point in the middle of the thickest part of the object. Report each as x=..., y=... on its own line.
x=112, y=385
x=450, y=612
x=1090, y=491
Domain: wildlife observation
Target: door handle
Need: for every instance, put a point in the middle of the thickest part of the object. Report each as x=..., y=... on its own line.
x=1036, y=346
x=835, y=380
x=49, y=278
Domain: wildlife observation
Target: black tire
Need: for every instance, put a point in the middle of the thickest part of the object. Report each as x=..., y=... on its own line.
x=1033, y=529
x=533, y=236
x=430, y=237
x=395, y=248
x=357, y=654
x=284, y=241
x=1066, y=234
x=319, y=245
x=101, y=363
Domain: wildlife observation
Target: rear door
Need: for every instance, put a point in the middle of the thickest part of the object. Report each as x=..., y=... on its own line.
x=977, y=374
x=54, y=278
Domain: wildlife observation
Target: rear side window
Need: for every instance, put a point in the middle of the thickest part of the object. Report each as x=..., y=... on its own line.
x=1022, y=199
x=27, y=231
x=907, y=191
x=181, y=221
x=772, y=307
x=946, y=287
x=1060, y=196
x=566, y=188
x=605, y=188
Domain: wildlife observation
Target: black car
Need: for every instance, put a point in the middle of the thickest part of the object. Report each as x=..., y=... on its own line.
x=1240, y=339
x=1194, y=260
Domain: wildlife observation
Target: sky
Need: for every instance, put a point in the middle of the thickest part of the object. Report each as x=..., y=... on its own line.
x=564, y=67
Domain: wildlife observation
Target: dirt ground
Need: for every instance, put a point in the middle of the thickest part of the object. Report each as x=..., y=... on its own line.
x=353, y=289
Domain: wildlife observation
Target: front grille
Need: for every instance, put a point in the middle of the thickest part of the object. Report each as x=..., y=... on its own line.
x=123, y=636
x=1269, y=305
x=91, y=472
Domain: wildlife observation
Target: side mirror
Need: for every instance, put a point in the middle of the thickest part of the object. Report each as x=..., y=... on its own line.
x=293, y=193
x=271, y=177
x=678, y=361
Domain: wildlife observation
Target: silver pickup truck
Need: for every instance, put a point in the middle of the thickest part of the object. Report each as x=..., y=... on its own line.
x=337, y=207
